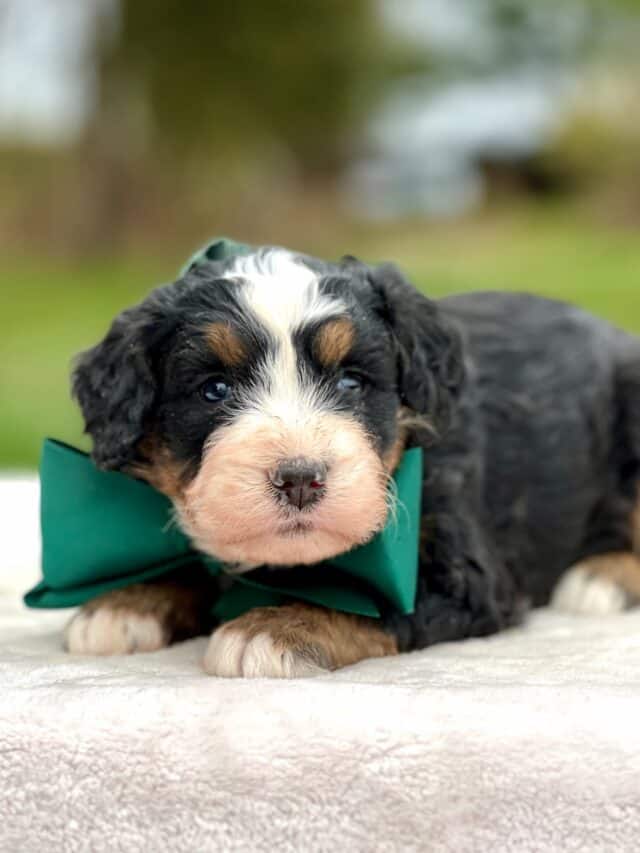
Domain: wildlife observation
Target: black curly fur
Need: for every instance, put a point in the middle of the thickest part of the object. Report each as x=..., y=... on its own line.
x=431, y=371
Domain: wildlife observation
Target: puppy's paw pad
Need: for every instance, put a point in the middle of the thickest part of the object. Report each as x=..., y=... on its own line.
x=580, y=591
x=110, y=631
x=232, y=653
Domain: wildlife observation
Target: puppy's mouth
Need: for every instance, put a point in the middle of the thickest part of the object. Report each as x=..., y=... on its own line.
x=294, y=529
x=287, y=528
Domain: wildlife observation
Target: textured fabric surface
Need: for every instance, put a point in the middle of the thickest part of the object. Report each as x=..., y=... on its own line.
x=526, y=741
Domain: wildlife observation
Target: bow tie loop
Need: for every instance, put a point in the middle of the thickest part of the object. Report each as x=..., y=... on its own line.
x=103, y=530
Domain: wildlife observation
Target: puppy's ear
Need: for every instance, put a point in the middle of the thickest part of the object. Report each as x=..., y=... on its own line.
x=114, y=384
x=430, y=359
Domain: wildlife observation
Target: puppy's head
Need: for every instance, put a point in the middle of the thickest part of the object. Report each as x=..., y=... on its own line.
x=264, y=396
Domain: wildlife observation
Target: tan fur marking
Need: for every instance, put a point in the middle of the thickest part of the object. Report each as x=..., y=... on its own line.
x=407, y=420
x=392, y=457
x=333, y=341
x=620, y=567
x=160, y=469
x=635, y=526
x=325, y=638
x=226, y=344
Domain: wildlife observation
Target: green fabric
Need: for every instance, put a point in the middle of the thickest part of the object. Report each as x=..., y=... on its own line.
x=103, y=530
x=216, y=250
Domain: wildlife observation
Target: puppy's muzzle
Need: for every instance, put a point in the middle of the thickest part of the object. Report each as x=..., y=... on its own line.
x=299, y=482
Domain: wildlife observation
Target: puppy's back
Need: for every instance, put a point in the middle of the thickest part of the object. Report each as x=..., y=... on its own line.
x=543, y=403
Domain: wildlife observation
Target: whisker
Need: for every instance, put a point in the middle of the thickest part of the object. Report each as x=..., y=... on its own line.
x=172, y=521
x=393, y=501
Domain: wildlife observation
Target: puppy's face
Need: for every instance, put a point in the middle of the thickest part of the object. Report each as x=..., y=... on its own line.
x=263, y=396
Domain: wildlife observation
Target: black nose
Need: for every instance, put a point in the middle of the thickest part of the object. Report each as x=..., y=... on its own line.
x=300, y=481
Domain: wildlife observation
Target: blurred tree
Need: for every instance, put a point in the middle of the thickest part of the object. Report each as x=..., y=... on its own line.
x=207, y=78
x=204, y=108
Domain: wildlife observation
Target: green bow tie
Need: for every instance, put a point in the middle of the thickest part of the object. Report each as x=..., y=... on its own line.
x=103, y=530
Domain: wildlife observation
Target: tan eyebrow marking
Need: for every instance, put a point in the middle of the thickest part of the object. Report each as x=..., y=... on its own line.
x=334, y=341
x=226, y=344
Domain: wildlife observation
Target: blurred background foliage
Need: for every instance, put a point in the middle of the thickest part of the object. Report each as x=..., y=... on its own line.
x=478, y=143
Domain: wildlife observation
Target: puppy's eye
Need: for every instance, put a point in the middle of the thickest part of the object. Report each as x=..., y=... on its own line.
x=349, y=383
x=215, y=390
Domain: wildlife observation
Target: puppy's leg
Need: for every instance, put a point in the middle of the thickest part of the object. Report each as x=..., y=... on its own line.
x=143, y=617
x=606, y=583
x=463, y=591
x=294, y=640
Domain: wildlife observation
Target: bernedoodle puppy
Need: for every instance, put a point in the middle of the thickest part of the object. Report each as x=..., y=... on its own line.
x=270, y=397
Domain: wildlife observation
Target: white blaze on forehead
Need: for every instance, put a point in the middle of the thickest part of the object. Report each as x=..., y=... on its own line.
x=282, y=291
x=284, y=295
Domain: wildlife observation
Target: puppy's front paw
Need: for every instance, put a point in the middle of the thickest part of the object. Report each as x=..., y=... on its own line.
x=261, y=644
x=294, y=641
x=142, y=617
x=107, y=630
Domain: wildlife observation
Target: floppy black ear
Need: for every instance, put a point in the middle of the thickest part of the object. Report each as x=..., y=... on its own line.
x=114, y=384
x=430, y=359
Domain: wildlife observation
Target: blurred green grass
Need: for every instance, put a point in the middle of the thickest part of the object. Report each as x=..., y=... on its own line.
x=51, y=309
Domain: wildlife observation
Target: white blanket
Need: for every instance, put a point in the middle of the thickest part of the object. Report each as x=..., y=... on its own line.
x=527, y=741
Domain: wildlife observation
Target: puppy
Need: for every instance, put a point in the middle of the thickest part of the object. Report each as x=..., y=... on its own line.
x=271, y=396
